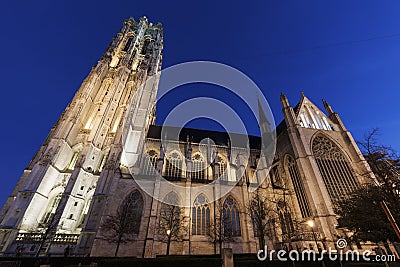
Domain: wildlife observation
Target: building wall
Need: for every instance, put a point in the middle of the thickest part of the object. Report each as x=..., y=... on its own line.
x=96, y=151
x=82, y=148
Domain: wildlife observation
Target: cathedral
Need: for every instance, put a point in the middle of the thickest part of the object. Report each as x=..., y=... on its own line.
x=96, y=186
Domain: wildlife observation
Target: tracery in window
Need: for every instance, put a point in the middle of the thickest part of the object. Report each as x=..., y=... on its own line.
x=334, y=168
x=200, y=216
x=285, y=218
x=174, y=165
x=275, y=176
x=231, y=218
x=311, y=118
x=150, y=163
x=223, y=173
x=198, y=167
x=170, y=216
x=131, y=210
x=257, y=223
x=298, y=186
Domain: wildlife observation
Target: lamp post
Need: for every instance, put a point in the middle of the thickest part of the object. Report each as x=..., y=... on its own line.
x=168, y=240
x=312, y=224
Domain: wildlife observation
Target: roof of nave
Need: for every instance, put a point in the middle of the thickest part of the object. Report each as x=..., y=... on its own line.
x=197, y=135
x=219, y=138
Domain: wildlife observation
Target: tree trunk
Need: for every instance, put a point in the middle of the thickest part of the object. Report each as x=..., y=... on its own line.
x=168, y=244
x=262, y=242
x=118, y=243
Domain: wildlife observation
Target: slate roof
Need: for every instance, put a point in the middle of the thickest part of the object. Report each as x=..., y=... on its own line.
x=196, y=135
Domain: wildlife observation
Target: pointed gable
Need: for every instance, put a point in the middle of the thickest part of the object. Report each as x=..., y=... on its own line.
x=310, y=116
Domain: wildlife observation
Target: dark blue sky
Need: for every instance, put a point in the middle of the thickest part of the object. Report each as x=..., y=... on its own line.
x=347, y=52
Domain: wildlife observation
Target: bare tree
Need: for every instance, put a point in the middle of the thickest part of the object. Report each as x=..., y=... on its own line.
x=379, y=198
x=292, y=228
x=218, y=233
x=261, y=210
x=383, y=160
x=48, y=227
x=125, y=223
x=172, y=225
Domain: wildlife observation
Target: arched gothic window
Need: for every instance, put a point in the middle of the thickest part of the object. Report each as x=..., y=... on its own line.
x=145, y=45
x=200, y=216
x=334, y=168
x=51, y=209
x=231, y=218
x=174, y=165
x=172, y=198
x=311, y=118
x=285, y=219
x=131, y=211
x=198, y=167
x=170, y=216
x=128, y=44
x=298, y=186
x=150, y=163
x=286, y=222
x=223, y=173
x=275, y=176
x=257, y=223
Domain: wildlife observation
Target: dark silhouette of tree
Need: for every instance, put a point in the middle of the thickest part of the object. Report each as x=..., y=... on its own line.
x=218, y=234
x=363, y=215
x=172, y=224
x=121, y=227
x=262, y=211
x=226, y=223
x=362, y=212
x=265, y=212
x=48, y=226
x=383, y=160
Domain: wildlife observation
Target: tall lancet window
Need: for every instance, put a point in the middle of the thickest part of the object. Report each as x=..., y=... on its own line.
x=285, y=218
x=173, y=168
x=335, y=170
x=150, y=163
x=132, y=209
x=200, y=216
x=128, y=216
x=128, y=44
x=198, y=167
x=73, y=161
x=223, y=173
x=298, y=186
x=231, y=218
x=84, y=212
x=51, y=209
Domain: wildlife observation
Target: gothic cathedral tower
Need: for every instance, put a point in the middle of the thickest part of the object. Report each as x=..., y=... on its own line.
x=71, y=175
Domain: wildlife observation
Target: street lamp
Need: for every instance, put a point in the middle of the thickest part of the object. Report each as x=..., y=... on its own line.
x=168, y=240
x=312, y=224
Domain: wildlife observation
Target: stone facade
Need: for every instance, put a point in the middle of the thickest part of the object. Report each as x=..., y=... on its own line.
x=82, y=173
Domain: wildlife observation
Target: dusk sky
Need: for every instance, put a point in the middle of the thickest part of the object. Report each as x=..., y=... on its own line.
x=347, y=52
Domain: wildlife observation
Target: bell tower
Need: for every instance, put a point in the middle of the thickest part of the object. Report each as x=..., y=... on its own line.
x=63, y=190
